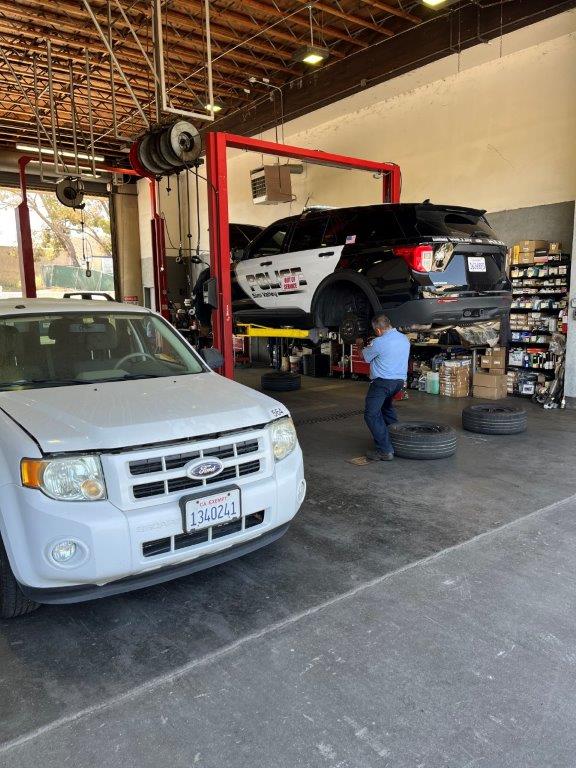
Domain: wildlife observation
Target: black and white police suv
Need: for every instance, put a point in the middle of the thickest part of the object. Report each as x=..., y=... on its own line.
x=422, y=264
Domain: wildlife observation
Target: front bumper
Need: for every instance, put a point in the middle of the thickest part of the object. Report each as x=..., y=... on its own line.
x=444, y=311
x=113, y=538
x=80, y=593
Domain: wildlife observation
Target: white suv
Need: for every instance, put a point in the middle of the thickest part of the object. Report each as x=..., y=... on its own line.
x=124, y=460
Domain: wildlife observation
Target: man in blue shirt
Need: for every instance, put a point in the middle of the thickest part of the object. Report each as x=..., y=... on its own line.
x=388, y=356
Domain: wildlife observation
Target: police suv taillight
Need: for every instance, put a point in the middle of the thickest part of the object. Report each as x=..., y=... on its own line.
x=420, y=258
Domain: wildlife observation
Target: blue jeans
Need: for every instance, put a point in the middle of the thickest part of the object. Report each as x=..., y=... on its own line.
x=379, y=411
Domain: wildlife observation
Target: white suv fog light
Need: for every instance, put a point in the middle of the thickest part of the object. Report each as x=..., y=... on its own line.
x=64, y=551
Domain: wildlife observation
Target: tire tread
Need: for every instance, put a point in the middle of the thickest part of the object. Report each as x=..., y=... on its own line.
x=13, y=602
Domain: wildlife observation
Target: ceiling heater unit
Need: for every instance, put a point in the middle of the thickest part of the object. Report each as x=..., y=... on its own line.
x=271, y=184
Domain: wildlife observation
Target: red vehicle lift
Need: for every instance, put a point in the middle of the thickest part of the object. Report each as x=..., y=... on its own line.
x=217, y=144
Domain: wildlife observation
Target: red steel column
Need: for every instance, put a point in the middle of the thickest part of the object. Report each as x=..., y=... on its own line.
x=24, y=234
x=220, y=247
x=392, y=185
x=158, y=255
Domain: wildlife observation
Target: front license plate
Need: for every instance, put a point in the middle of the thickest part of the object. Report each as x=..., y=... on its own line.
x=211, y=510
x=476, y=264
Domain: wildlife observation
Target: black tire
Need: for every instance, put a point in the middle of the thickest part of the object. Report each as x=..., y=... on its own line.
x=278, y=381
x=494, y=419
x=12, y=601
x=353, y=326
x=423, y=440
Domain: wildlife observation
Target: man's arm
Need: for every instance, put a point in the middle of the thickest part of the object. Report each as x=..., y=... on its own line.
x=370, y=352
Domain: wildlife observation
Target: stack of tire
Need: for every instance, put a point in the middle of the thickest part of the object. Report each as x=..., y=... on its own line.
x=167, y=149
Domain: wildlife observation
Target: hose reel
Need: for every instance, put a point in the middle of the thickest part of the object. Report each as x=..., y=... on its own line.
x=166, y=150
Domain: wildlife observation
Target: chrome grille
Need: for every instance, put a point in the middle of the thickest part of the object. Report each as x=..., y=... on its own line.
x=161, y=469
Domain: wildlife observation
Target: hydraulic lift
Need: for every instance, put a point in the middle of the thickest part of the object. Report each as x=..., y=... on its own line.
x=217, y=174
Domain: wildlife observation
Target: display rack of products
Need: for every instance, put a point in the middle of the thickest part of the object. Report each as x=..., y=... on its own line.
x=540, y=276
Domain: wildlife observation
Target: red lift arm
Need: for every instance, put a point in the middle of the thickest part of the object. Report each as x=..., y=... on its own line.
x=217, y=144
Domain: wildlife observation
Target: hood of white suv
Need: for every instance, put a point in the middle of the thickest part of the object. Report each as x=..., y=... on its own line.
x=123, y=414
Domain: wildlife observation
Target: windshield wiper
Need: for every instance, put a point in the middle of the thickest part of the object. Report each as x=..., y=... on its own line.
x=44, y=382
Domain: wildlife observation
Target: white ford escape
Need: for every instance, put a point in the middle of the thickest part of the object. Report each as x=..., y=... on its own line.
x=124, y=460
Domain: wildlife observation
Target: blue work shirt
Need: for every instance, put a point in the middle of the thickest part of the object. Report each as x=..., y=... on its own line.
x=388, y=356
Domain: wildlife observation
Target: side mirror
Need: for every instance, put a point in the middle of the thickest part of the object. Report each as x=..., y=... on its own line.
x=212, y=357
x=210, y=292
x=237, y=254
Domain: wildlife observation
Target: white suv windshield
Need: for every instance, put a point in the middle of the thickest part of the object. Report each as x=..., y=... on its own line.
x=65, y=349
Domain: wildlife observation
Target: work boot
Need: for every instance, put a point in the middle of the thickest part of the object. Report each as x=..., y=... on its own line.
x=376, y=455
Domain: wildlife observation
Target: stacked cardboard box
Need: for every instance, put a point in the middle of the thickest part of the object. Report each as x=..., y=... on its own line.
x=529, y=251
x=455, y=378
x=494, y=360
x=490, y=386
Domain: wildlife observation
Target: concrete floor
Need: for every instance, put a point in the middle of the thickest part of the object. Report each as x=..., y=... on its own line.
x=416, y=615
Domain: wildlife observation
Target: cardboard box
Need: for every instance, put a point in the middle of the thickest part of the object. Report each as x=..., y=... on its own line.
x=497, y=357
x=455, y=377
x=490, y=393
x=455, y=388
x=526, y=257
x=555, y=248
x=484, y=379
x=532, y=245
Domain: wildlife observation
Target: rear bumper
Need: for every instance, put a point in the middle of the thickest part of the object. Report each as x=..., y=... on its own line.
x=80, y=593
x=461, y=311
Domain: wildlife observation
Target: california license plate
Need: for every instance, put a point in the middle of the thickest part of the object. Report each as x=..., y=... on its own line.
x=218, y=508
x=476, y=264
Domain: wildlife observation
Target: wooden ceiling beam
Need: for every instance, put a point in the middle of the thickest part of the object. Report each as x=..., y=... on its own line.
x=350, y=18
x=132, y=56
x=230, y=16
x=182, y=19
x=394, y=10
x=326, y=31
x=91, y=38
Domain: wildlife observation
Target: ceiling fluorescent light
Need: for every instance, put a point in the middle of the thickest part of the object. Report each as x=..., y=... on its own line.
x=83, y=171
x=63, y=153
x=311, y=54
x=433, y=3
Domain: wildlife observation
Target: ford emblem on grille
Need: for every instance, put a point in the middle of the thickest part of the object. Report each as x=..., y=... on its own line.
x=200, y=470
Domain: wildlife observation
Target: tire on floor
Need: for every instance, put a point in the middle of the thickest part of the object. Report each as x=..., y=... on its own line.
x=494, y=419
x=423, y=440
x=279, y=381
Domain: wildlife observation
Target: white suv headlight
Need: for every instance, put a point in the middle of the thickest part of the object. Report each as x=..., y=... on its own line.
x=283, y=437
x=77, y=478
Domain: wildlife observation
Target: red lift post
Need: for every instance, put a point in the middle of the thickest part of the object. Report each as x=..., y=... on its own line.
x=24, y=235
x=217, y=169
